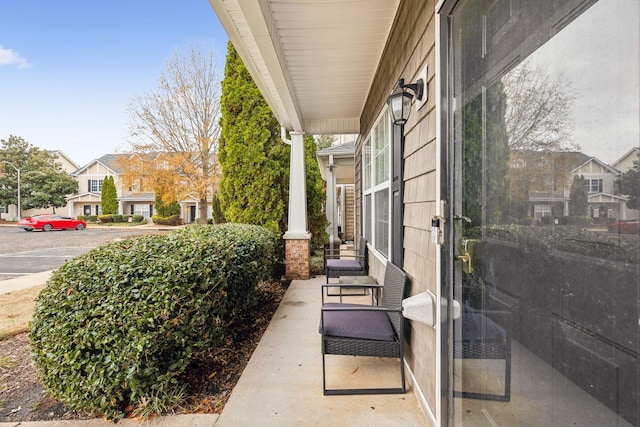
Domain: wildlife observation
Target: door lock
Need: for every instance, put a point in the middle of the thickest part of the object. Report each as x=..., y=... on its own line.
x=465, y=258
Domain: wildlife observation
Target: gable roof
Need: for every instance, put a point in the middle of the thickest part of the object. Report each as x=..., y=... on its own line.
x=110, y=161
x=612, y=170
x=626, y=155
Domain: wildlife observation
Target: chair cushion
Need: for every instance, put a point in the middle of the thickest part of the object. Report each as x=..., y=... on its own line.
x=477, y=327
x=344, y=264
x=371, y=325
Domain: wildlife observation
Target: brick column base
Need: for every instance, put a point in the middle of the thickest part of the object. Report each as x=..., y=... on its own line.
x=297, y=254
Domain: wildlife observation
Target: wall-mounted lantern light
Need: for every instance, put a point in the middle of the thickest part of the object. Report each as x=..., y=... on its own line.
x=400, y=100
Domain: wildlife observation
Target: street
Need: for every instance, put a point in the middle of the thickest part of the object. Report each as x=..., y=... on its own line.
x=23, y=252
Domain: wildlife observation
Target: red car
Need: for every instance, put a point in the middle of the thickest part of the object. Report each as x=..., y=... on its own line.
x=625, y=226
x=48, y=222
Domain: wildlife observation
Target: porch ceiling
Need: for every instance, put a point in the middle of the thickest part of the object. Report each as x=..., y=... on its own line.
x=313, y=60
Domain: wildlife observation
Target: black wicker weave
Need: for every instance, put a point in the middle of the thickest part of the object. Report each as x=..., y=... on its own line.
x=352, y=263
x=350, y=317
x=482, y=338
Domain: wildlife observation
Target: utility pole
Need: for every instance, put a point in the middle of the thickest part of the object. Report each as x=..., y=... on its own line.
x=17, y=170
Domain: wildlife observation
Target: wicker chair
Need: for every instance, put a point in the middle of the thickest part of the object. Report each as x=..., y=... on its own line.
x=482, y=338
x=366, y=330
x=355, y=262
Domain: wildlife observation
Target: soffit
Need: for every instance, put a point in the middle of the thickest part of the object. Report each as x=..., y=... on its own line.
x=313, y=60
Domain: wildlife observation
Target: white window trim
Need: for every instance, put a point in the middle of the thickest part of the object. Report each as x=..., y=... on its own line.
x=375, y=188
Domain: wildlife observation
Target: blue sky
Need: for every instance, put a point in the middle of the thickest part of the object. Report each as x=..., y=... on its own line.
x=69, y=68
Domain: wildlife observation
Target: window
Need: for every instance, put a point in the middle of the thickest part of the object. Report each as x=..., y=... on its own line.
x=95, y=185
x=541, y=210
x=376, y=178
x=143, y=210
x=594, y=185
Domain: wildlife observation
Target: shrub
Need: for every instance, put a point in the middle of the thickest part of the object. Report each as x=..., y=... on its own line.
x=137, y=218
x=171, y=220
x=92, y=218
x=117, y=325
x=105, y=218
x=118, y=218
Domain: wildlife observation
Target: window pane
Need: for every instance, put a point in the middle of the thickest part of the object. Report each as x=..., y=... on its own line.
x=366, y=223
x=546, y=122
x=382, y=221
x=366, y=167
x=382, y=136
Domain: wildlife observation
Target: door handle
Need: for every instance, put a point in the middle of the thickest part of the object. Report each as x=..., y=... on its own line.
x=465, y=258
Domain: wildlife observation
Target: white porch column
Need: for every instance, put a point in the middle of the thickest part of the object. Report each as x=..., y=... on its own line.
x=297, y=222
x=332, y=211
x=297, y=238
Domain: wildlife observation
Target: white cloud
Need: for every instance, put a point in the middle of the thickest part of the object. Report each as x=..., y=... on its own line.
x=9, y=57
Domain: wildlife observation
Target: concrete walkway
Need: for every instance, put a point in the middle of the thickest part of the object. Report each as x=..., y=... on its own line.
x=282, y=384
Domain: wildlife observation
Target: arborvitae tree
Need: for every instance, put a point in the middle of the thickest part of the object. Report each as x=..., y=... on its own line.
x=579, y=202
x=109, y=197
x=486, y=183
x=315, y=194
x=629, y=183
x=216, y=210
x=255, y=161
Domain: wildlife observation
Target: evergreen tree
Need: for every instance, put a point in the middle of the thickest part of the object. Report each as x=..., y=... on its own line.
x=629, y=183
x=486, y=158
x=578, y=203
x=315, y=194
x=218, y=215
x=109, y=197
x=43, y=182
x=164, y=209
x=255, y=161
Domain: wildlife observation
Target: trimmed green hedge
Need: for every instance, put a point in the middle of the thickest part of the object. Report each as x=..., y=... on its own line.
x=170, y=220
x=117, y=325
x=566, y=238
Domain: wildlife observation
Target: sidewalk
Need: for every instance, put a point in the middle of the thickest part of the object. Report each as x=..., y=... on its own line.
x=282, y=384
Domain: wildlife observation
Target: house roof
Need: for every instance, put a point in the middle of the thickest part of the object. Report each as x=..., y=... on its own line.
x=61, y=154
x=108, y=160
x=314, y=61
x=600, y=162
x=342, y=150
x=629, y=153
x=341, y=156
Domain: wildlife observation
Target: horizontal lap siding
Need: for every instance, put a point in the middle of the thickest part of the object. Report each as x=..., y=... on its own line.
x=411, y=45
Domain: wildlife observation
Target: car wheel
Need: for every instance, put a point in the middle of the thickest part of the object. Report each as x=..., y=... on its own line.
x=79, y=227
x=47, y=227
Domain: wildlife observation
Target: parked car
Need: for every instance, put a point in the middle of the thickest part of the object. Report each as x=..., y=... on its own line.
x=625, y=226
x=48, y=222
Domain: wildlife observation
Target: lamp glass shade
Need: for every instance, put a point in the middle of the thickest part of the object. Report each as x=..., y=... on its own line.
x=400, y=105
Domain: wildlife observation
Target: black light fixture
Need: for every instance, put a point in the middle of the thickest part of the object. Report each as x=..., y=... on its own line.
x=400, y=100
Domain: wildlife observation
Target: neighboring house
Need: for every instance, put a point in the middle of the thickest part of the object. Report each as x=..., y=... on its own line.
x=549, y=186
x=337, y=169
x=565, y=323
x=131, y=200
x=604, y=200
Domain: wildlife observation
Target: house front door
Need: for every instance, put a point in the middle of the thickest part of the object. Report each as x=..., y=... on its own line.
x=543, y=310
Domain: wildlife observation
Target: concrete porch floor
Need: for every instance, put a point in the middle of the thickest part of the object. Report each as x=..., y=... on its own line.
x=282, y=384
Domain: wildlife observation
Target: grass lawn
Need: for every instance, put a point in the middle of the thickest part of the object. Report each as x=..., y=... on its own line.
x=16, y=310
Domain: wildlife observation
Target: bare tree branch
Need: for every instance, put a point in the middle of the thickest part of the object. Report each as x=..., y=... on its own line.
x=180, y=119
